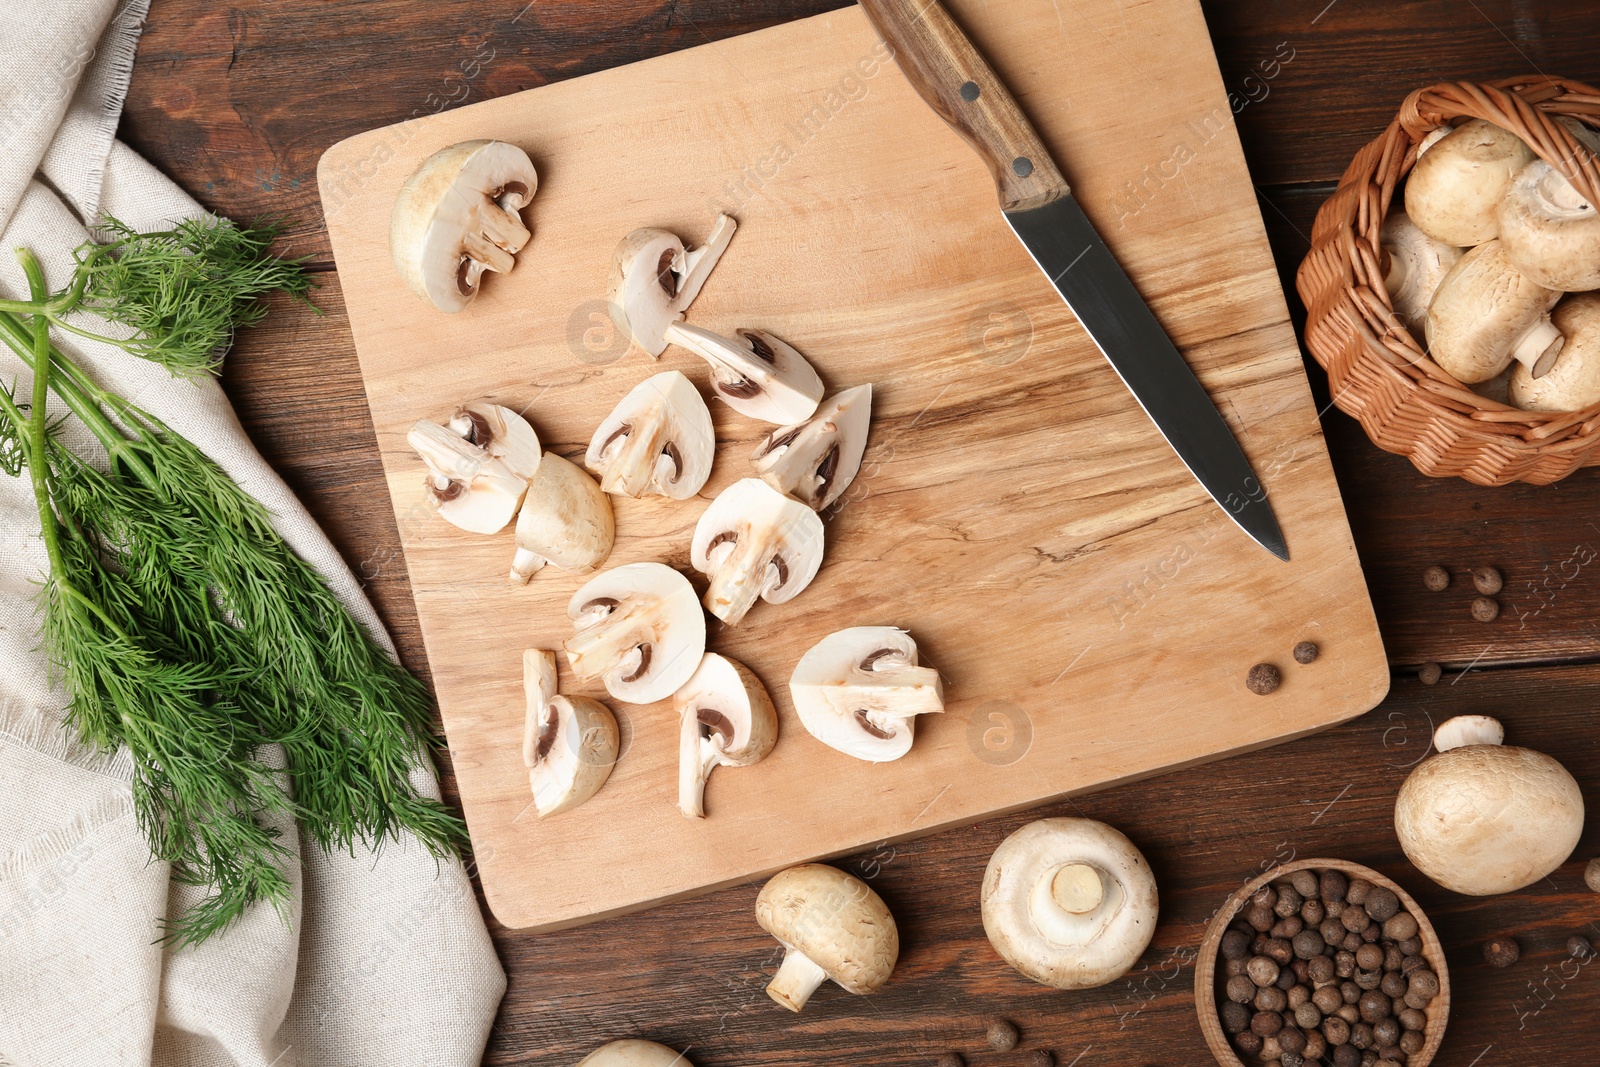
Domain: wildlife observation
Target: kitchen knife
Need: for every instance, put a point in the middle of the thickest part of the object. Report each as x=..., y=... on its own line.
x=949, y=73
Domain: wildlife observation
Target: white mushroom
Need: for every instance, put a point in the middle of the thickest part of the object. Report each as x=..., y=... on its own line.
x=1482, y=817
x=478, y=467
x=569, y=744
x=755, y=542
x=1487, y=314
x=832, y=926
x=457, y=217
x=565, y=520
x=654, y=279
x=634, y=1053
x=1417, y=264
x=639, y=629
x=726, y=719
x=1573, y=382
x=860, y=691
x=659, y=439
x=755, y=373
x=1456, y=185
x=816, y=461
x=502, y=433
x=1069, y=903
x=1551, y=233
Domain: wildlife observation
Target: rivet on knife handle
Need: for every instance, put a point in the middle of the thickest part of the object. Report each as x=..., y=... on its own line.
x=951, y=76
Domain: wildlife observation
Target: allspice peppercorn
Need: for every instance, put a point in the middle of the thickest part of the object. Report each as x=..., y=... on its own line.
x=1485, y=609
x=1487, y=580
x=1579, y=946
x=1501, y=951
x=1436, y=579
x=1429, y=673
x=1002, y=1035
x=1043, y=1057
x=1591, y=875
x=1235, y=1017
x=950, y=1059
x=1263, y=678
x=1306, y=652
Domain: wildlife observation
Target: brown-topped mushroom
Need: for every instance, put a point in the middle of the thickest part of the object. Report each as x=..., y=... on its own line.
x=639, y=629
x=832, y=926
x=1486, y=314
x=755, y=543
x=816, y=461
x=1551, y=233
x=1416, y=265
x=659, y=440
x=860, y=691
x=1453, y=191
x=569, y=744
x=726, y=719
x=1573, y=382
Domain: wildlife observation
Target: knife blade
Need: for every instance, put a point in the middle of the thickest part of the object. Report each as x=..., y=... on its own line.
x=954, y=79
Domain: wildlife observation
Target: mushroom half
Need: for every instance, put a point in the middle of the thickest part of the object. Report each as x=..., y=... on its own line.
x=726, y=719
x=457, y=216
x=659, y=440
x=565, y=521
x=639, y=629
x=1069, y=903
x=758, y=375
x=1453, y=191
x=755, y=542
x=479, y=465
x=1551, y=233
x=569, y=744
x=815, y=461
x=654, y=279
x=1573, y=381
x=860, y=691
x=634, y=1053
x=1486, y=314
x=832, y=926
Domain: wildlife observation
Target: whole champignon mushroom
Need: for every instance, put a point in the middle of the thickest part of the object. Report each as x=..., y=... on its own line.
x=1481, y=817
x=832, y=926
x=860, y=690
x=756, y=374
x=815, y=461
x=754, y=542
x=565, y=521
x=1069, y=903
x=1573, y=382
x=1416, y=265
x=659, y=440
x=479, y=466
x=639, y=629
x=634, y=1053
x=1551, y=233
x=1486, y=314
x=654, y=279
x=457, y=216
x=569, y=744
x=1453, y=191
x=726, y=719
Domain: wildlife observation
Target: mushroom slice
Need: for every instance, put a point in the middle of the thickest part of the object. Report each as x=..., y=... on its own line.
x=755, y=542
x=1573, y=382
x=639, y=629
x=1416, y=265
x=1456, y=185
x=457, y=216
x=860, y=691
x=658, y=440
x=816, y=461
x=565, y=520
x=472, y=489
x=726, y=719
x=1069, y=903
x=654, y=278
x=1550, y=232
x=1486, y=314
x=755, y=373
x=832, y=926
x=569, y=744
x=502, y=433
x=634, y=1053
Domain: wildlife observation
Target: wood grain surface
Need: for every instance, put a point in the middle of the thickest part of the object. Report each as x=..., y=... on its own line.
x=238, y=101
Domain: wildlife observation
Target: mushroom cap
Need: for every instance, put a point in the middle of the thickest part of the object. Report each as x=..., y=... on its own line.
x=756, y=374
x=1488, y=819
x=565, y=518
x=1453, y=191
x=1486, y=313
x=859, y=691
x=755, y=542
x=1551, y=233
x=1573, y=382
x=457, y=215
x=815, y=461
x=634, y=1053
x=639, y=628
x=654, y=279
x=835, y=920
x=1046, y=917
x=1417, y=264
x=658, y=439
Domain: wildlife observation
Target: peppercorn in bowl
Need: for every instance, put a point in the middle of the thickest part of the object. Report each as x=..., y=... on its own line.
x=1322, y=961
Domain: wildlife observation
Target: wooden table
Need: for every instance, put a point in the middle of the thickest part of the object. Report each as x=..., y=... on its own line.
x=238, y=101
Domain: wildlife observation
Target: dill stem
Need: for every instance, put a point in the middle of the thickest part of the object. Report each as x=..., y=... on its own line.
x=39, y=418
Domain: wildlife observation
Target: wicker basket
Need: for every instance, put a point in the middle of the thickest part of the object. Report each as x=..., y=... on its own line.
x=1376, y=370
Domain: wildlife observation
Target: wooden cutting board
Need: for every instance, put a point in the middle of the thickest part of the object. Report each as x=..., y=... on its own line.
x=1092, y=612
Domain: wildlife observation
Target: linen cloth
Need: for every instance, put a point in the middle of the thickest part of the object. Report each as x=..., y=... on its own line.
x=385, y=959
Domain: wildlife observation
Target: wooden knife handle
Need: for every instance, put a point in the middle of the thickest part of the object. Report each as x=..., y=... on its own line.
x=951, y=75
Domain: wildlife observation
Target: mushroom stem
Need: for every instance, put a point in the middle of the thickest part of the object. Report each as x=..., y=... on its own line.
x=598, y=648
x=698, y=263
x=539, y=688
x=485, y=252
x=696, y=758
x=1538, y=348
x=525, y=564
x=1077, y=888
x=740, y=579
x=796, y=980
x=504, y=228
x=633, y=467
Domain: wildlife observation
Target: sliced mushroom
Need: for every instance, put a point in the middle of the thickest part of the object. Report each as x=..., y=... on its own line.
x=726, y=719
x=1550, y=232
x=755, y=542
x=1573, y=382
x=755, y=373
x=860, y=691
x=1453, y=191
x=565, y=520
x=569, y=744
x=654, y=279
x=639, y=629
x=816, y=461
x=1417, y=264
x=1486, y=314
x=634, y=1053
x=471, y=488
x=659, y=439
x=501, y=432
x=831, y=925
x=1069, y=903
x=457, y=217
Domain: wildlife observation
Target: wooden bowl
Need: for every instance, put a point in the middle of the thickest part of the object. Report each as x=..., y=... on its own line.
x=1205, y=978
